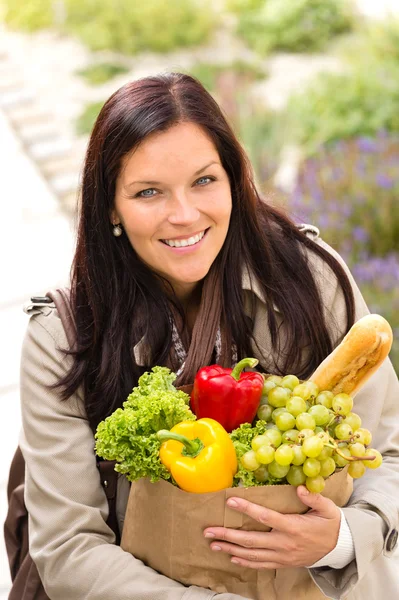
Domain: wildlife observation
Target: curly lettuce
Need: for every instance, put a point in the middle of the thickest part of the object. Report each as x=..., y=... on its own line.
x=128, y=436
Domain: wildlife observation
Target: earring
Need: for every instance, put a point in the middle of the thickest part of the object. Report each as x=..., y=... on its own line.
x=117, y=230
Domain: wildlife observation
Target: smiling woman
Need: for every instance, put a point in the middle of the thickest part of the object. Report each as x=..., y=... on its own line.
x=179, y=228
x=180, y=263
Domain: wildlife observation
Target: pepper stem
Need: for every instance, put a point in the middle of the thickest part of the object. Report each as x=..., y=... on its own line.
x=245, y=362
x=190, y=447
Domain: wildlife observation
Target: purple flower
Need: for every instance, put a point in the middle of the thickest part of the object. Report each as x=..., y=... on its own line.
x=384, y=181
x=366, y=144
x=360, y=234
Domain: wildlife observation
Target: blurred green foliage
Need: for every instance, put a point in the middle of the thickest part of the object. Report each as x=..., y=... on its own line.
x=241, y=7
x=28, y=15
x=295, y=26
x=361, y=101
x=86, y=120
x=372, y=41
x=122, y=25
x=209, y=74
x=99, y=73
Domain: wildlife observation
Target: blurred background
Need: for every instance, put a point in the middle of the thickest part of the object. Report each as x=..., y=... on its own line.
x=310, y=86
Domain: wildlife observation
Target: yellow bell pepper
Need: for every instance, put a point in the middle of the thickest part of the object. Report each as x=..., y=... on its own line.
x=200, y=455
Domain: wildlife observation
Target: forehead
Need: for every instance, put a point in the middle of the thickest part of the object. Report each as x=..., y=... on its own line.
x=184, y=146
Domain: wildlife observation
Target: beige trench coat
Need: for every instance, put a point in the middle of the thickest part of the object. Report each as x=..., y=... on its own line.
x=69, y=540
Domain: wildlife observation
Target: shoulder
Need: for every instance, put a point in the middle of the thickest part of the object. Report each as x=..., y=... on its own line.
x=45, y=322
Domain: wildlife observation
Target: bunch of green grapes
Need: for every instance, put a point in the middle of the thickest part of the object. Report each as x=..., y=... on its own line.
x=309, y=434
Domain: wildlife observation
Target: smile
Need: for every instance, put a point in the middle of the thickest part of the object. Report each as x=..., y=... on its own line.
x=191, y=241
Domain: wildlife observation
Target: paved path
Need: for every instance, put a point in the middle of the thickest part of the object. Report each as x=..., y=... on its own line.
x=35, y=248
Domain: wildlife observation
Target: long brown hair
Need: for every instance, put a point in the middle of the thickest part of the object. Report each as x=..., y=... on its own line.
x=116, y=298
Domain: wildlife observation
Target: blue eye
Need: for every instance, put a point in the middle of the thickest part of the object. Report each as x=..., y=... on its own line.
x=142, y=194
x=209, y=178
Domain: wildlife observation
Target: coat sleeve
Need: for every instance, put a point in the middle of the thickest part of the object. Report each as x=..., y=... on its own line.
x=70, y=543
x=373, y=509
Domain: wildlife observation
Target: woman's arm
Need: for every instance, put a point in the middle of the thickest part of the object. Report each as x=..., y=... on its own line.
x=372, y=512
x=70, y=542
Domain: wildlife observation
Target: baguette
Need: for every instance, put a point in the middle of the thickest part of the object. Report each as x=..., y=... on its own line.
x=356, y=358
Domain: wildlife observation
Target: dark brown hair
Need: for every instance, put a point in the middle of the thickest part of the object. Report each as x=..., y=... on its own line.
x=117, y=300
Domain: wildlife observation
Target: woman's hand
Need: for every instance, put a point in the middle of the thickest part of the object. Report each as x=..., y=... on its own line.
x=294, y=541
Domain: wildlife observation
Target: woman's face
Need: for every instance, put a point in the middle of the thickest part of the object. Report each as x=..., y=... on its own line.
x=173, y=199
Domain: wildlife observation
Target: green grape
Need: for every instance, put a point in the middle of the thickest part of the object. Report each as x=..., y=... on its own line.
x=325, y=399
x=290, y=381
x=278, y=471
x=339, y=460
x=267, y=386
x=343, y=431
x=249, y=462
x=265, y=455
x=323, y=435
x=285, y=421
x=263, y=401
x=325, y=453
x=327, y=467
x=307, y=390
x=299, y=455
x=305, y=433
x=291, y=435
x=296, y=476
x=262, y=474
x=312, y=446
x=278, y=397
x=357, y=449
x=342, y=404
x=271, y=425
x=284, y=455
x=318, y=429
x=305, y=421
x=264, y=412
x=278, y=411
x=277, y=379
x=311, y=467
x=320, y=414
x=315, y=484
x=274, y=436
x=356, y=469
x=260, y=440
x=296, y=405
x=363, y=436
x=353, y=420
x=373, y=464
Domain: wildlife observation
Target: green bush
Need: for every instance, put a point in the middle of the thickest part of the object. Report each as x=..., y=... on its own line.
x=295, y=26
x=122, y=25
x=130, y=27
x=372, y=41
x=99, y=73
x=362, y=101
x=85, y=122
x=28, y=15
x=241, y=7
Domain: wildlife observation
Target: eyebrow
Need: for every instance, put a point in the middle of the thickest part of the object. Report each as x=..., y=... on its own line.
x=214, y=162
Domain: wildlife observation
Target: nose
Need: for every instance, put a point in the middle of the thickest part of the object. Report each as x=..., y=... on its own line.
x=182, y=210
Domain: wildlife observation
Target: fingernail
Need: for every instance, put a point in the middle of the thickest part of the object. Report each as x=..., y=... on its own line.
x=232, y=503
x=235, y=561
x=209, y=535
x=216, y=548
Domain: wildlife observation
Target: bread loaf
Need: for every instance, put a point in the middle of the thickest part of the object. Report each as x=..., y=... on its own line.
x=356, y=358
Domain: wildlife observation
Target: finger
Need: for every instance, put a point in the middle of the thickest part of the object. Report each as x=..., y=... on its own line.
x=247, y=539
x=266, y=516
x=324, y=506
x=250, y=554
x=241, y=562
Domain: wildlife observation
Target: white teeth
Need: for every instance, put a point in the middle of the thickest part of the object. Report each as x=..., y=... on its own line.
x=182, y=243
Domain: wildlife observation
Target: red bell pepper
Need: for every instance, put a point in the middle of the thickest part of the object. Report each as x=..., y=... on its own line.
x=227, y=395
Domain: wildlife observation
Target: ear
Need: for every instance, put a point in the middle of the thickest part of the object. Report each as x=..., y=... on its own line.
x=115, y=220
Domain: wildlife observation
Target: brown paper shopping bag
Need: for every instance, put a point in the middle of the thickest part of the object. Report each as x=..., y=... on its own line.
x=164, y=528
